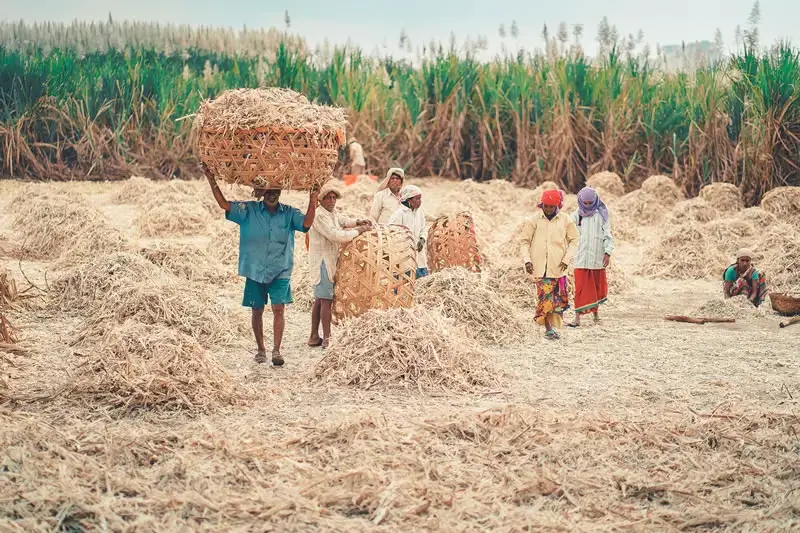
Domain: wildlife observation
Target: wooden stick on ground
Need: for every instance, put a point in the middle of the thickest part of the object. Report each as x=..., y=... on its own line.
x=700, y=320
x=793, y=320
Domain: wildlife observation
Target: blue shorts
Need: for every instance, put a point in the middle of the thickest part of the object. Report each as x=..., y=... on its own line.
x=421, y=273
x=276, y=292
x=324, y=289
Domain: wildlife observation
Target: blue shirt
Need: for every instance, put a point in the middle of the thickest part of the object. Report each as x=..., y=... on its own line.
x=266, y=241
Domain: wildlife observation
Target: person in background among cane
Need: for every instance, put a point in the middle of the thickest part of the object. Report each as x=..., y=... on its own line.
x=358, y=165
x=594, y=253
x=266, y=255
x=329, y=231
x=411, y=215
x=387, y=200
x=548, y=242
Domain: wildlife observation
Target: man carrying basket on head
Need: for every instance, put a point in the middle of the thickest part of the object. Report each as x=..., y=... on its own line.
x=266, y=255
x=330, y=230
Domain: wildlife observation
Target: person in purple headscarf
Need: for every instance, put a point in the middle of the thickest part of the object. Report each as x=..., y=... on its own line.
x=595, y=247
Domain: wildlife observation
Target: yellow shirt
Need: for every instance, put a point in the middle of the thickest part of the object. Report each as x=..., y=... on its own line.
x=548, y=243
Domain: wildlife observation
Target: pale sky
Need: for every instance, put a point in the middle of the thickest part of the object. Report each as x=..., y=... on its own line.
x=373, y=23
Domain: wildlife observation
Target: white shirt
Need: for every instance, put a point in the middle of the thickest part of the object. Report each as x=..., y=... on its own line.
x=384, y=204
x=327, y=233
x=415, y=221
x=595, y=241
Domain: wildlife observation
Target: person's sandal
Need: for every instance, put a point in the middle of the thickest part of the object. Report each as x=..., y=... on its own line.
x=551, y=334
x=277, y=358
x=261, y=356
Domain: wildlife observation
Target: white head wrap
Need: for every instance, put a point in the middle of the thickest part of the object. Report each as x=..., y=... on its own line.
x=385, y=183
x=329, y=187
x=744, y=252
x=409, y=191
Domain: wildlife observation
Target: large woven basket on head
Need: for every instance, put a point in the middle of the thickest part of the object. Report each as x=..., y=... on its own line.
x=269, y=138
x=376, y=270
x=785, y=304
x=452, y=242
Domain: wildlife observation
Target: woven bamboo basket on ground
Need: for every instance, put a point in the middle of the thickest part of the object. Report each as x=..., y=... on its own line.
x=785, y=304
x=376, y=270
x=269, y=138
x=452, y=243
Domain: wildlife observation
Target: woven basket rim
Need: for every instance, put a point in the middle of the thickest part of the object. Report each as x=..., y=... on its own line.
x=785, y=304
x=269, y=129
x=784, y=296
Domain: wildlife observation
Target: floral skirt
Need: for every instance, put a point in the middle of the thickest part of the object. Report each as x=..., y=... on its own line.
x=552, y=300
x=741, y=286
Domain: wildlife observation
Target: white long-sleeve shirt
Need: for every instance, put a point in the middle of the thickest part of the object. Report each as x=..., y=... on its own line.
x=595, y=241
x=328, y=232
x=384, y=204
x=414, y=221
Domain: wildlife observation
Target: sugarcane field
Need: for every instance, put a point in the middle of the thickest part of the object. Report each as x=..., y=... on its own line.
x=252, y=284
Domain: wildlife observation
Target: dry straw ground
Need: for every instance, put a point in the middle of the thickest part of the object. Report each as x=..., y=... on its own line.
x=130, y=400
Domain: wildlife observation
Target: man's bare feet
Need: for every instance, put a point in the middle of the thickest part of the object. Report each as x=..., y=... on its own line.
x=313, y=342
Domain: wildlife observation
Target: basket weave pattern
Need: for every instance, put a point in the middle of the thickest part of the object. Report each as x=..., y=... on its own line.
x=376, y=270
x=785, y=305
x=452, y=243
x=264, y=158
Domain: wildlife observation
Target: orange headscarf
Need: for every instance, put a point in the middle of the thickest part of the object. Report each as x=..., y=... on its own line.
x=553, y=197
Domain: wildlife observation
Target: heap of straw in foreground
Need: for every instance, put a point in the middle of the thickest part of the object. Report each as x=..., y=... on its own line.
x=161, y=218
x=369, y=470
x=249, y=109
x=513, y=284
x=138, y=366
x=64, y=227
x=187, y=261
x=119, y=286
x=463, y=296
x=412, y=347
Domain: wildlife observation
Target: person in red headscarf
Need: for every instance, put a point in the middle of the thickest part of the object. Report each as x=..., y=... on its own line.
x=548, y=242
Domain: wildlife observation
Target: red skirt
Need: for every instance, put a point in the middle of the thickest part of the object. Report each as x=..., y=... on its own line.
x=591, y=289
